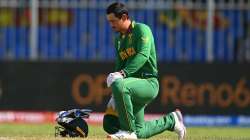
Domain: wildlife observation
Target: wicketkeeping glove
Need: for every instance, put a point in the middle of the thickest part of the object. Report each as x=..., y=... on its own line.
x=111, y=103
x=112, y=77
x=110, y=110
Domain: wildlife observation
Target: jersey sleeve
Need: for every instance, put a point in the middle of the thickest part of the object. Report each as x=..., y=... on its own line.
x=143, y=47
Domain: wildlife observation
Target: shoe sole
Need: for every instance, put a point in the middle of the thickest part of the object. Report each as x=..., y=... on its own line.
x=180, y=118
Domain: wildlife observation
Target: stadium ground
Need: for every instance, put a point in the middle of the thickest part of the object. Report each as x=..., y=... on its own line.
x=10, y=131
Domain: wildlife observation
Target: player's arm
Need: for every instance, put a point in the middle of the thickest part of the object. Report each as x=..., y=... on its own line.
x=143, y=47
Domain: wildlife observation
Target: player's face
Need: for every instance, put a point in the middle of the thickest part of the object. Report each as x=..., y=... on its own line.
x=115, y=22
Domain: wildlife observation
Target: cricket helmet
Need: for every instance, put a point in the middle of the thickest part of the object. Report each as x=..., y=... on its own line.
x=72, y=123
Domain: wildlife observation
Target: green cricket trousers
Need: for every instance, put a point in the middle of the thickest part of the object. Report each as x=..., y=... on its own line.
x=131, y=96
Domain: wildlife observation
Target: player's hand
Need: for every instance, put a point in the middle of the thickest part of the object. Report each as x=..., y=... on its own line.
x=112, y=77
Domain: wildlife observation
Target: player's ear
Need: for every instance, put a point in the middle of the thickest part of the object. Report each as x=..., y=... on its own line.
x=124, y=17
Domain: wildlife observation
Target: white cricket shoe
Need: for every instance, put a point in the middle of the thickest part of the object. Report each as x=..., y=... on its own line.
x=179, y=127
x=122, y=135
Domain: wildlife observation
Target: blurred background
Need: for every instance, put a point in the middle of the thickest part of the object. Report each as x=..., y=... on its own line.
x=55, y=55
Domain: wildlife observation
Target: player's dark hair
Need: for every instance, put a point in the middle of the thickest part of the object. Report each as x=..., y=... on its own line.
x=118, y=9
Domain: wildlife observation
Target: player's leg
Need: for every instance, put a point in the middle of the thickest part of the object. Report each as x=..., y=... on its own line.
x=171, y=122
x=131, y=96
x=154, y=127
x=129, y=91
x=146, y=129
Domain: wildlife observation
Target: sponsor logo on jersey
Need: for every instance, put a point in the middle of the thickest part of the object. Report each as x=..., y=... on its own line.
x=125, y=54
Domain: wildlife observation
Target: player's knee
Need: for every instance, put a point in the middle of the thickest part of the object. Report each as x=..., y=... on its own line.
x=118, y=86
x=111, y=124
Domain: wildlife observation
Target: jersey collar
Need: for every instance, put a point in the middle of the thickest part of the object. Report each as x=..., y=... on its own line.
x=130, y=29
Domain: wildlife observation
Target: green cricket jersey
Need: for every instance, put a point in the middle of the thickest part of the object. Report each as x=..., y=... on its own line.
x=136, y=54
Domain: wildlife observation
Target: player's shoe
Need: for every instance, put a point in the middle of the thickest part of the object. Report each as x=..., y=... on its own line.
x=122, y=135
x=179, y=127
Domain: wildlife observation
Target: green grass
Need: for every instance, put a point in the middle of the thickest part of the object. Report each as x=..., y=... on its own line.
x=46, y=132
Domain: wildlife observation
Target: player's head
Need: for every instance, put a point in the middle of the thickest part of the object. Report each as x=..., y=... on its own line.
x=117, y=15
